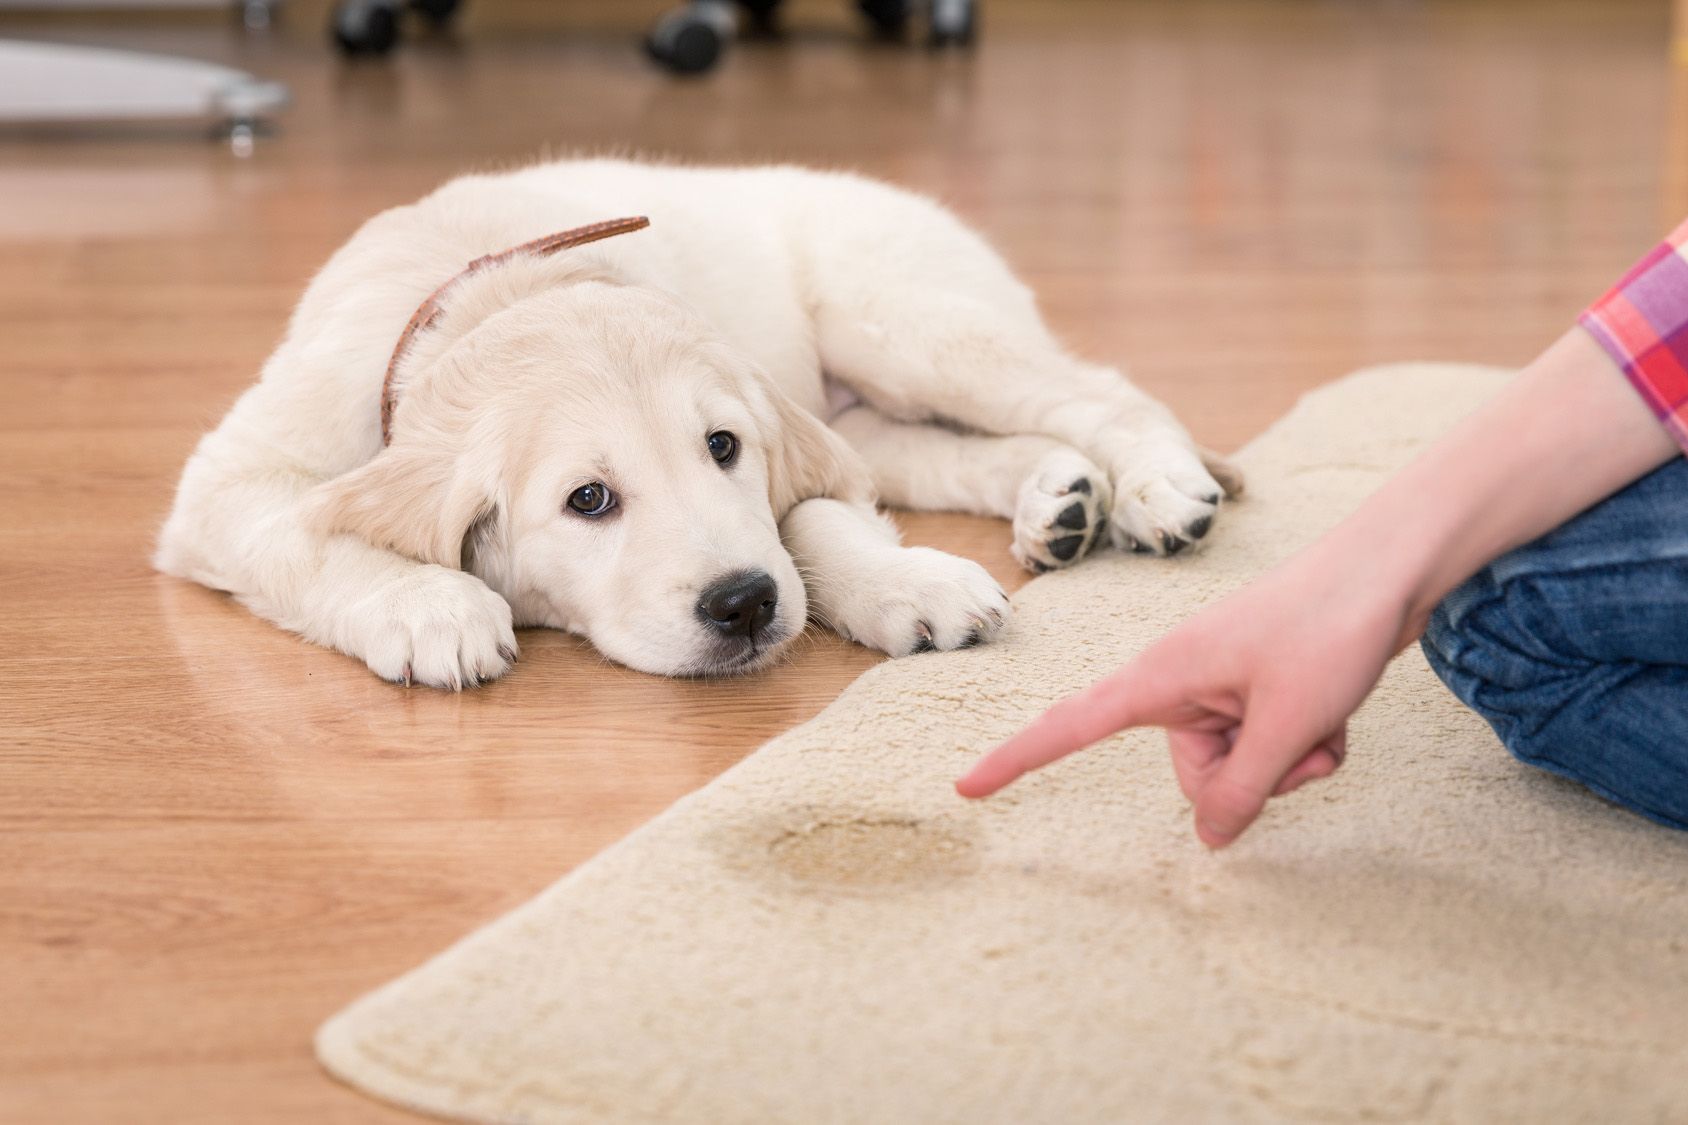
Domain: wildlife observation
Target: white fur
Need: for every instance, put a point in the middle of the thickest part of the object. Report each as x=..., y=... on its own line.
x=614, y=362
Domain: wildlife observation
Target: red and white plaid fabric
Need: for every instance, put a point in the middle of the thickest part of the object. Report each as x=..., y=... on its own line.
x=1643, y=323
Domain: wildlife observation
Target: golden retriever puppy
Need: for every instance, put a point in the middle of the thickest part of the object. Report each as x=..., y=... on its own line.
x=493, y=409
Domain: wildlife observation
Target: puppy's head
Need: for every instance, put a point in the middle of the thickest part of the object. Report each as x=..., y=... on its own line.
x=603, y=460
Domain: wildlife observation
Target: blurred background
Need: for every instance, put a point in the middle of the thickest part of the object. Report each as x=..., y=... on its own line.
x=213, y=835
x=1236, y=198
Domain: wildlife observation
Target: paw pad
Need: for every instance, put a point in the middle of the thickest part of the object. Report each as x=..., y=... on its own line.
x=1061, y=509
x=1066, y=547
x=1073, y=518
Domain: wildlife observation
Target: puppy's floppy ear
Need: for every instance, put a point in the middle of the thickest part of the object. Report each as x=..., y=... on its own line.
x=419, y=503
x=808, y=459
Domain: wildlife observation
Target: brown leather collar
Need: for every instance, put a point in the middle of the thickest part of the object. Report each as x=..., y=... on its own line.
x=428, y=313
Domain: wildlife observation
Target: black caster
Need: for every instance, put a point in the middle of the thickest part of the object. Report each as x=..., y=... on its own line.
x=690, y=40
x=371, y=27
x=364, y=27
x=888, y=18
x=954, y=23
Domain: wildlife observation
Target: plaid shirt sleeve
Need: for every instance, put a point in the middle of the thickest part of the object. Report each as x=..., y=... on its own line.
x=1643, y=323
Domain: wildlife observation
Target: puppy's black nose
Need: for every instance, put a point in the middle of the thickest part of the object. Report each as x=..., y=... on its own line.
x=740, y=604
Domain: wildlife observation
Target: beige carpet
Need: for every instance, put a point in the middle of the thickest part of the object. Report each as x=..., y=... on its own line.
x=828, y=934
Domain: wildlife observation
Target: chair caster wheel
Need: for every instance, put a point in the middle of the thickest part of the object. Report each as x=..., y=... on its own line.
x=888, y=18
x=363, y=27
x=691, y=39
x=954, y=23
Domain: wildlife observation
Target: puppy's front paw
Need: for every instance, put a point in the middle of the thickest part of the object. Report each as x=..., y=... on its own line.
x=437, y=627
x=1164, y=500
x=920, y=600
x=1060, y=512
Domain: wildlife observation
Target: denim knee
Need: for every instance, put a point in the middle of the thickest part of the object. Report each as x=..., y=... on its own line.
x=1495, y=645
x=1493, y=664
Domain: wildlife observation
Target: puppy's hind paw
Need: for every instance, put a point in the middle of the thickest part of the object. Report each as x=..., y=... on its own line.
x=1061, y=509
x=1165, y=504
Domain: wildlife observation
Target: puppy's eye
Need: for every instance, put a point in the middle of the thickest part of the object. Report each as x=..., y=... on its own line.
x=591, y=499
x=723, y=446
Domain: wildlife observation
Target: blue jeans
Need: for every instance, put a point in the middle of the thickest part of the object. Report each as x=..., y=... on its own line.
x=1575, y=647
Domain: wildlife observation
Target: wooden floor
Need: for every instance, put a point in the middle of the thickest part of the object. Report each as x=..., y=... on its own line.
x=213, y=835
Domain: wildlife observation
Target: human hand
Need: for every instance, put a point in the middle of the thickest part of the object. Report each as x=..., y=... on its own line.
x=1254, y=692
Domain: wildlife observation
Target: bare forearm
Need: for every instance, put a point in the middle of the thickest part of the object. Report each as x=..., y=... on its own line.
x=1568, y=432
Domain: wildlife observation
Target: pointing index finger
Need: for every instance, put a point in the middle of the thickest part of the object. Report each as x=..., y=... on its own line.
x=1110, y=705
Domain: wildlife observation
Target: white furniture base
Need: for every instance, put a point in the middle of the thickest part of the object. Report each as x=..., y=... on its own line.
x=46, y=83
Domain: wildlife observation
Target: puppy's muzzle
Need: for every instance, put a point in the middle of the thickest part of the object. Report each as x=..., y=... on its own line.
x=741, y=604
